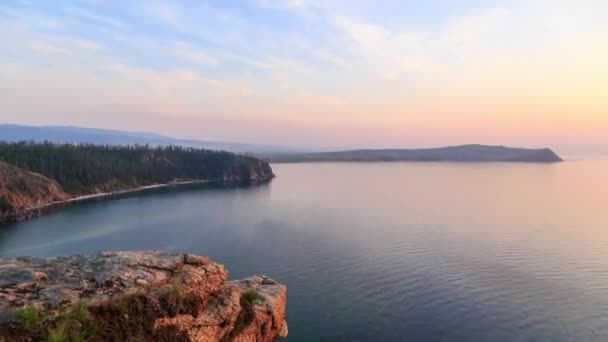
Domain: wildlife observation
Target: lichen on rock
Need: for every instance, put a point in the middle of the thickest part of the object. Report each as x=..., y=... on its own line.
x=143, y=295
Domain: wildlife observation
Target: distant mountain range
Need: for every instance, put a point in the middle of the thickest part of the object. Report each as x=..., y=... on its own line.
x=464, y=153
x=70, y=134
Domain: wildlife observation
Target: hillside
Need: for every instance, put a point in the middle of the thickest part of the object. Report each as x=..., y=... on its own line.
x=464, y=153
x=21, y=189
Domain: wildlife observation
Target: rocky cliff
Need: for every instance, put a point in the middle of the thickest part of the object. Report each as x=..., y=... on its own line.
x=254, y=171
x=21, y=189
x=136, y=296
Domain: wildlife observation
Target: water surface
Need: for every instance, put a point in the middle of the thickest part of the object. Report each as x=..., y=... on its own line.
x=383, y=251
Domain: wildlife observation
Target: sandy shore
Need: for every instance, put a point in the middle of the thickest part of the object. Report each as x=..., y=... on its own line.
x=115, y=193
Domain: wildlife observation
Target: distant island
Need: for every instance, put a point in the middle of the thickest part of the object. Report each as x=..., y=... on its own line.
x=463, y=153
x=35, y=175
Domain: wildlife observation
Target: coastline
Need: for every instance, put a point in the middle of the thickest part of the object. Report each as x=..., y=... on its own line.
x=115, y=193
x=38, y=210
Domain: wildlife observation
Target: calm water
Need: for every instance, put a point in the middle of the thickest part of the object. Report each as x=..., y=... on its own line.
x=384, y=252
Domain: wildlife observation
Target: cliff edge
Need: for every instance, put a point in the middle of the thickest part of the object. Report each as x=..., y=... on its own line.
x=142, y=296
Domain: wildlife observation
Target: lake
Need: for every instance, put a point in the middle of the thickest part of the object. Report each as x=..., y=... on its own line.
x=383, y=251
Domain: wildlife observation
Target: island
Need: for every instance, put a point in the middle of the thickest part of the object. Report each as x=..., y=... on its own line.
x=463, y=153
x=36, y=175
x=136, y=296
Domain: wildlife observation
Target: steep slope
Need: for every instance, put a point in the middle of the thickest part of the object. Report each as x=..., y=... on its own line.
x=21, y=189
x=464, y=153
x=136, y=296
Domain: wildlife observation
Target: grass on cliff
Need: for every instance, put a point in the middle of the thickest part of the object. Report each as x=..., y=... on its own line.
x=251, y=297
x=128, y=318
x=246, y=316
x=28, y=317
x=131, y=318
x=176, y=301
x=76, y=326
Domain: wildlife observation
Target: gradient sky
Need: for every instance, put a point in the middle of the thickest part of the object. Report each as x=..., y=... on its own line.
x=323, y=74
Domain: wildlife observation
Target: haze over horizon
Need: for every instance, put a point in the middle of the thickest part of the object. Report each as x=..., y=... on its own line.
x=315, y=74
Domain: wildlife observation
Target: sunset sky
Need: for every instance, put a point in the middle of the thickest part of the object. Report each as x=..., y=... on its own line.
x=319, y=74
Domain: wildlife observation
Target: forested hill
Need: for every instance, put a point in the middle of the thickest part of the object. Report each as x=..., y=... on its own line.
x=87, y=169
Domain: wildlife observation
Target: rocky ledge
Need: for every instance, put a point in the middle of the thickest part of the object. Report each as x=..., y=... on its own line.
x=136, y=296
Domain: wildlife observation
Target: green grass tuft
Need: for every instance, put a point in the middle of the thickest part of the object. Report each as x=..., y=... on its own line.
x=247, y=315
x=59, y=333
x=28, y=317
x=77, y=325
x=251, y=297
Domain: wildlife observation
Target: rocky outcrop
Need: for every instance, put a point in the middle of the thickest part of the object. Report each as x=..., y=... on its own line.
x=125, y=296
x=260, y=172
x=253, y=171
x=21, y=189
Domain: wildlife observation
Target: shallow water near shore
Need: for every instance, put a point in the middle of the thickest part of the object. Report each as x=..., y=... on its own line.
x=383, y=251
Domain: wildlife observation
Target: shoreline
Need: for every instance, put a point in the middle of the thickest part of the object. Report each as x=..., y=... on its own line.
x=42, y=209
x=114, y=193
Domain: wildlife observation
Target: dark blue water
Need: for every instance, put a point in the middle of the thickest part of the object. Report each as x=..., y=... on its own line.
x=383, y=252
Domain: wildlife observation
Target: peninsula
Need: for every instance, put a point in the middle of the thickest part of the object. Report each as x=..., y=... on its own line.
x=34, y=175
x=463, y=153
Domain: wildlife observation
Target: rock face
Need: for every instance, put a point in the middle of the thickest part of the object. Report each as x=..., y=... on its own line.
x=21, y=189
x=254, y=172
x=125, y=296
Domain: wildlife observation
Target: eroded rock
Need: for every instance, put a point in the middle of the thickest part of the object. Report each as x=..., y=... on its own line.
x=141, y=295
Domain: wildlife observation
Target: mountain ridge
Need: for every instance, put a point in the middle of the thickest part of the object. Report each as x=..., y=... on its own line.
x=101, y=136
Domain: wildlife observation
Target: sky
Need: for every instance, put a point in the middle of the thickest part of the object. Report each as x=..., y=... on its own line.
x=318, y=74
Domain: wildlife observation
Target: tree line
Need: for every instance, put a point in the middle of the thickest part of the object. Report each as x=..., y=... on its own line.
x=87, y=168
